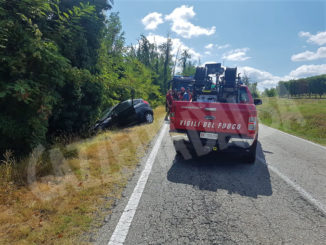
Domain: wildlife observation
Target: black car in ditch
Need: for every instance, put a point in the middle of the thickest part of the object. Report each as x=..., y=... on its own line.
x=126, y=113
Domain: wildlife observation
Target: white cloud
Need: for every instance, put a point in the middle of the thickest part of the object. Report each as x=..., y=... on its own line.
x=152, y=20
x=267, y=80
x=209, y=46
x=177, y=44
x=236, y=55
x=304, y=34
x=263, y=78
x=223, y=46
x=308, y=55
x=183, y=27
x=208, y=52
x=308, y=70
x=319, y=38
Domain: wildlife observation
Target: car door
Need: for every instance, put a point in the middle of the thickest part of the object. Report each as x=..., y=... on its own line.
x=139, y=109
x=126, y=113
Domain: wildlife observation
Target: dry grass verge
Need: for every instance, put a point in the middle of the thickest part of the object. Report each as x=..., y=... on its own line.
x=79, y=181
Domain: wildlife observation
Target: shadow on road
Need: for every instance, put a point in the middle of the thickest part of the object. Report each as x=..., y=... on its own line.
x=223, y=171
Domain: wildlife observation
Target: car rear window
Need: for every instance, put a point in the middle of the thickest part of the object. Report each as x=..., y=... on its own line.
x=136, y=102
x=123, y=106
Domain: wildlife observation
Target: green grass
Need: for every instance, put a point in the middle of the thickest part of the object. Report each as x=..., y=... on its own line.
x=305, y=118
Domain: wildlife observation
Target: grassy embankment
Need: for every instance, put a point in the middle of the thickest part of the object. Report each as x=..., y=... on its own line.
x=83, y=181
x=305, y=118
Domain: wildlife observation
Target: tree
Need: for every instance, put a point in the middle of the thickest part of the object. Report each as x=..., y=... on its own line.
x=143, y=53
x=254, y=90
x=61, y=63
x=114, y=37
x=315, y=85
x=31, y=70
x=270, y=92
x=282, y=89
x=251, y=85
x=81, y=37
x=245, y=79
x=190, y=69
x=79, y=26
x=185, y=56
x=167, y=58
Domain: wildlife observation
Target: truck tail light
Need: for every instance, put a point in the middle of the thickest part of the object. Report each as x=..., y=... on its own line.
x=251, y=127
x=252, y=119
x=252, y=123
x=172, y=113
x=145, y=102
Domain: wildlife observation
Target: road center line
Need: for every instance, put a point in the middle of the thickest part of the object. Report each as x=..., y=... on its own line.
x=298, y=188
x=121, y=230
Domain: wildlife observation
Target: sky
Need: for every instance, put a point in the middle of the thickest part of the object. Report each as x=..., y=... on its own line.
x=268, y=41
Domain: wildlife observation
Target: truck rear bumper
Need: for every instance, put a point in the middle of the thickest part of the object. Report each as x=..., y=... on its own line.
x=225, y=142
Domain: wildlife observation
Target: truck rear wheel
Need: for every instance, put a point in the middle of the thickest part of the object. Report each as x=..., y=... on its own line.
x=250, y=157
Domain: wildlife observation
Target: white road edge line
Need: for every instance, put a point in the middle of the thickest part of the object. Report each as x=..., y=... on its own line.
x=121, y=230
x=298, y=188
x=302, y=139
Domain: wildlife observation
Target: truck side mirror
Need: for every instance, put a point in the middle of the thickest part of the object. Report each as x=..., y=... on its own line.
x=258, y=101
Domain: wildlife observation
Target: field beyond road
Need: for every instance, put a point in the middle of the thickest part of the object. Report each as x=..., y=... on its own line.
x=83, y=182
x=305, y=118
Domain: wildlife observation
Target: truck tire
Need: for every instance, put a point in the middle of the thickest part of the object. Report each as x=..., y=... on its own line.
x=250, y=157
x=179, y=156
x=183, y=151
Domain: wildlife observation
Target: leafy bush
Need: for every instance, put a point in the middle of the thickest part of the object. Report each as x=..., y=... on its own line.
x=31, y=69
x=78, y=104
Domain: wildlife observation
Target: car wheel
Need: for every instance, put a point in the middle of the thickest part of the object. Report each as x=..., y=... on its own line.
x=149, y=117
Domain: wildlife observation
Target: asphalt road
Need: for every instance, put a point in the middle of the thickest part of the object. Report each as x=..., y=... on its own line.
x=216, y=199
